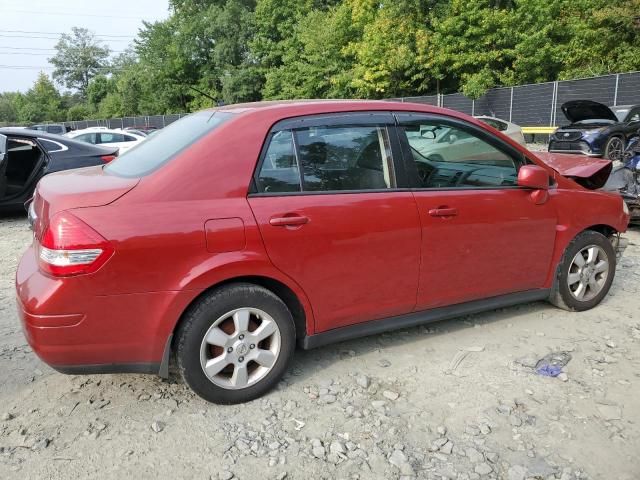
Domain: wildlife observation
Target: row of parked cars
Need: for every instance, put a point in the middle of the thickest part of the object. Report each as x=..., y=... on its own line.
x=27, y=154
x=240, y=232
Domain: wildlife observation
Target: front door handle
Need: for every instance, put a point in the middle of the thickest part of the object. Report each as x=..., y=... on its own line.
x=288, y=221
x=443, y=212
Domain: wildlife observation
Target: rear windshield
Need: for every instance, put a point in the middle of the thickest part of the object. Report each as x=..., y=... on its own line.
x=158, y=149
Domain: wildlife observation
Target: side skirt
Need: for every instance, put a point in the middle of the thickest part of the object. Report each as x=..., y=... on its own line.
x=418, y=318
x=108, y=368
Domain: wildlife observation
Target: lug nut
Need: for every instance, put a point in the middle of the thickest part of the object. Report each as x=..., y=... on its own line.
x=241, y=337
x=241, y=359
x=230, y=349
x=252, y=346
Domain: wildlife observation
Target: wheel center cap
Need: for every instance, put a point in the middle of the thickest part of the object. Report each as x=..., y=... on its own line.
x=242, y=349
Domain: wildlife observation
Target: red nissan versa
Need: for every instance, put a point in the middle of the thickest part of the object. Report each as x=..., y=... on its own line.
x=236, y=232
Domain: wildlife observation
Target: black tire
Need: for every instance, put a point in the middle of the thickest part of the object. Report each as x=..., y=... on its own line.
x=561, y=295
x=614, y=148
x=201, y=316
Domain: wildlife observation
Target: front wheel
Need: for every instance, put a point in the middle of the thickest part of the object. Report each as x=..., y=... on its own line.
x=614, y=149
x=585, y=272
x=235, y=343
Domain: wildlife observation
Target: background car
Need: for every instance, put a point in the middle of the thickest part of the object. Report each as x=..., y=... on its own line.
x=146, y=129
x=237, y=233
x=26, y=155
x=509, y=129
x=56, y=128
x=103, y=136
x=595, y=129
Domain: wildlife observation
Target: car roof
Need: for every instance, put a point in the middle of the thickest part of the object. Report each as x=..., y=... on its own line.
x=69, y=142
x=26, y=132
x=101, y=130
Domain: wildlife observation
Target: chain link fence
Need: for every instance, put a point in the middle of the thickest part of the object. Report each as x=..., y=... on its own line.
x=540, y=104
x=527, y=105
x=158, y=121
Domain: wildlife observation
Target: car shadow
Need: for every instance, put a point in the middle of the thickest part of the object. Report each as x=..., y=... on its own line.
x=309, y=363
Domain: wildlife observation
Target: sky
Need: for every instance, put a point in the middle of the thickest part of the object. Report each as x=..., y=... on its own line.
x=30, y=29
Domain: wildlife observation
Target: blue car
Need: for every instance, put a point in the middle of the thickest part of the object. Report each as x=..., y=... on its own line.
x=595, y=129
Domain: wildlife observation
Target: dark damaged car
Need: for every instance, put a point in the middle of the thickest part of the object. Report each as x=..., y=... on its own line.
x=27, y=155
x=595, y=129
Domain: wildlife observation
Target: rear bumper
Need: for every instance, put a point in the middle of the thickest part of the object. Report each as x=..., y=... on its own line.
x=75, y=331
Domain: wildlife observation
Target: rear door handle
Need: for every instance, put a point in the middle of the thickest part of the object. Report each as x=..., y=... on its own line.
x=288, y=221
x=443, y=212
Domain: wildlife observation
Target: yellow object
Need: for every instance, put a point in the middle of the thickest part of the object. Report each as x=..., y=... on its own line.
x=538, y=130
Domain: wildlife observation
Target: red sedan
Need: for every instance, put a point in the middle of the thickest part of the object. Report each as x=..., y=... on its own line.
x=238, y=232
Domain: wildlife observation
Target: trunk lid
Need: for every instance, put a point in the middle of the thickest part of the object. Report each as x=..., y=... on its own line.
x=81, y=188
x=591, y=173
x=581, y=110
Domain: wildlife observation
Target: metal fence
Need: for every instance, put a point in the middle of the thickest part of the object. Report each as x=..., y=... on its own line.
x=527, y=105
x=158, y=121
x=539, y=104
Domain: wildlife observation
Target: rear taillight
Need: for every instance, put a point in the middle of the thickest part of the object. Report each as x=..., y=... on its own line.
x=108, y=158
x=71, y=247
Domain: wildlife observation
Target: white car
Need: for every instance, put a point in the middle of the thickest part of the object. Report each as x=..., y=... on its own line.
x=509, y=129
x=100, y=135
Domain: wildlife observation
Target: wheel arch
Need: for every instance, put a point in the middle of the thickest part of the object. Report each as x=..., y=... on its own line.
x=279, y=288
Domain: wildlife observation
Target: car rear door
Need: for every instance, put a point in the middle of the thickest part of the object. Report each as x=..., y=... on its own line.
x=333, y=219
x=482, y=235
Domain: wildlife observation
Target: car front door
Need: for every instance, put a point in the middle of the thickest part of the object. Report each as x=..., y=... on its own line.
x=333, y=219
x=482, y=235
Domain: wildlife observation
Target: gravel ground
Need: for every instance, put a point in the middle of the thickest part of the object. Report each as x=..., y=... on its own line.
x=454, y=400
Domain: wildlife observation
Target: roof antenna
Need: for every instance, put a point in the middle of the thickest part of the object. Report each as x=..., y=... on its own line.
x=215, y=102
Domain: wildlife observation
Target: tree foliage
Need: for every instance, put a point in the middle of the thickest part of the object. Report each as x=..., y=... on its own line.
x=79, y=57
x=245, y=50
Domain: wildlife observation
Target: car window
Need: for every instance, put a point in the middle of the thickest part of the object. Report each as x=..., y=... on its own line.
x=55, y=129
x=634, y=115
x=345, y=158
x=111, y=137
x=332, y=158
x=51, y=146
x=161, y=148
x=501, y=126
x=449, y=157
x=129, y=138
x=87, y=137
x=279, y=171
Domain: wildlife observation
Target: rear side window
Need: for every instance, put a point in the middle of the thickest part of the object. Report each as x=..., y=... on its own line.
x=88, y=137
x=55, y=129
x=332, y=158
x=111, y=138
x=159, y=149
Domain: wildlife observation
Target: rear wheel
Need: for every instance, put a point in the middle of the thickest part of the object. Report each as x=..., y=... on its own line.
x=614, y=148
x=585, y=273
x=234, y=344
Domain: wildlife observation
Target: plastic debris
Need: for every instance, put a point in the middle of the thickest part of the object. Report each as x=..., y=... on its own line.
x=551, y=365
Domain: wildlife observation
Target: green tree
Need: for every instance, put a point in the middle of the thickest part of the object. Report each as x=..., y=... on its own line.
x=9, y=103
x=79, y=57
x=42, y=102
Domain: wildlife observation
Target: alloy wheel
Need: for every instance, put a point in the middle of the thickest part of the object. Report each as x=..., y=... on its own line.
x=588, y=273
x=615, y=149
x=240, y=348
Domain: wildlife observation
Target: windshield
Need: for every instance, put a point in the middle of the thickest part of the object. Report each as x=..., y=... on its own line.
x=621, y=113
x=158, y=149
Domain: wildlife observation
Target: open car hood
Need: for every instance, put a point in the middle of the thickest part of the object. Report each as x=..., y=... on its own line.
x=591, y=173
x=580, y=110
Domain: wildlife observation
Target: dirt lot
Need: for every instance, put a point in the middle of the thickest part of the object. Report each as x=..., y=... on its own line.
x=455, y=400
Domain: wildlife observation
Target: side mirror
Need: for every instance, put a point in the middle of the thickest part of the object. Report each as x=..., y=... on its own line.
x=453, y=138
x=534, y=177
x=428, y=134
